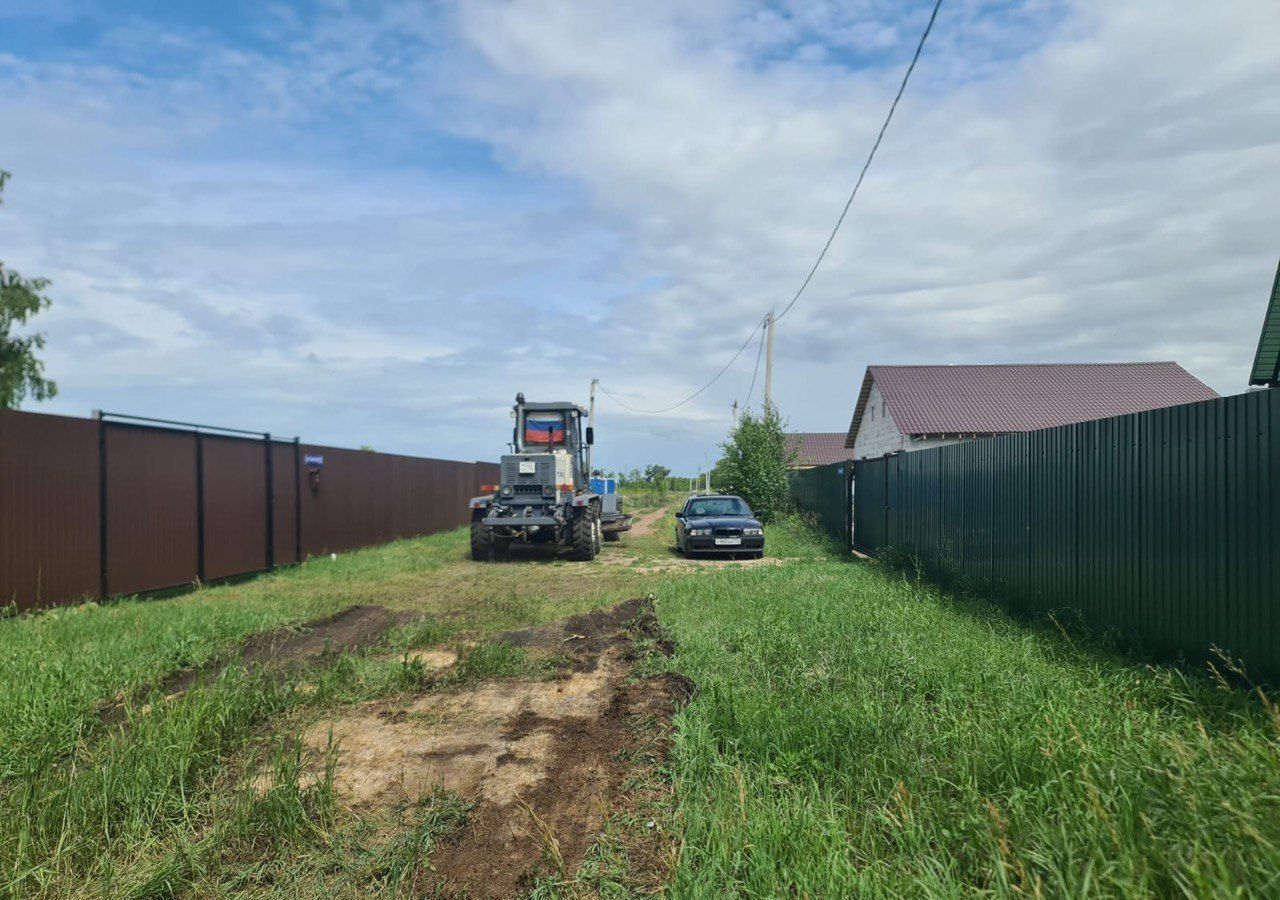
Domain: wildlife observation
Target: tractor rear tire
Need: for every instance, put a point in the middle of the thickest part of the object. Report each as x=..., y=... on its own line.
x=482, y=541
x=586, y=534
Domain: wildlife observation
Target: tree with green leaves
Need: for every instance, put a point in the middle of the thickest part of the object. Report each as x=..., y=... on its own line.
x=656, y=474
x=755, y=463
x=21, y=373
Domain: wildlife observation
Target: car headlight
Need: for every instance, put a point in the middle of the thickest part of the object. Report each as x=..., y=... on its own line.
x=753, y=532
x=506, y=490
x=699, y=531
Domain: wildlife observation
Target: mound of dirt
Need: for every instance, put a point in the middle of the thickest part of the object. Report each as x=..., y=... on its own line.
x=541, y=761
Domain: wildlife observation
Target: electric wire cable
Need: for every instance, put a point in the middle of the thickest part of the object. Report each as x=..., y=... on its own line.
x=714, y=379
x=844, y=212
x=893, y=107
x=754, y=372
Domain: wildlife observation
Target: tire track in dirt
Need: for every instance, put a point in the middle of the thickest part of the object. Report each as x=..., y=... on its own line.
x=542, y=762
x=646, y=523
x=349, y=629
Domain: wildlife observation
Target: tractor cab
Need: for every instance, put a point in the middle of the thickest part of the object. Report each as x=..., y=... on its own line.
x=554, y=428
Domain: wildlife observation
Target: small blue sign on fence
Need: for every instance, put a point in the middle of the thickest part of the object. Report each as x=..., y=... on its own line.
x=314, y=460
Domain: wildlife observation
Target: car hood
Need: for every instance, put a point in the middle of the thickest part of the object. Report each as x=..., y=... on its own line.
x=722, y=522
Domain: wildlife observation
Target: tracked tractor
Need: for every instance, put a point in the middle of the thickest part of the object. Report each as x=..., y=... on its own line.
x=544, y=495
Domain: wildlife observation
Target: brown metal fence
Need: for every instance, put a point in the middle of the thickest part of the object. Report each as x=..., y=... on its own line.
x=1160, y=527
x=93, y=508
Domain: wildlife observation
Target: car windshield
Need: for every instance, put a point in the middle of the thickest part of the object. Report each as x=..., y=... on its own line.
x=718, y=506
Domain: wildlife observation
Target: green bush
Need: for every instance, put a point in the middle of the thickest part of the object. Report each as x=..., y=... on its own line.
x=755, y=463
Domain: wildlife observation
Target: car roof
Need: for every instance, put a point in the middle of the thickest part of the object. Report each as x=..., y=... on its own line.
x=715, y=497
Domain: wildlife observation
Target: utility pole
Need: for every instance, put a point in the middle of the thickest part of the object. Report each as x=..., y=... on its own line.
x=735, y=412
x=768, y=360
x=591, y=424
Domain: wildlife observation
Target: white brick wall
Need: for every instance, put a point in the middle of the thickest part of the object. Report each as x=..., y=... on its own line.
x=878, y=435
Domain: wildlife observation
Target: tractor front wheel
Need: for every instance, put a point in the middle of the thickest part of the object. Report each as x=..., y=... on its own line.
x=586, y=534
x=482, y=540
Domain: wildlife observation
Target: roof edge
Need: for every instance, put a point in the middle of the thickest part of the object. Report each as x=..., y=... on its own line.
x=1269, y=321
x=858, y=407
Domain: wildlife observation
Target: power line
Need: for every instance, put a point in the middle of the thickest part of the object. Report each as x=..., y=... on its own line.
x=893, y=107
x=884, y=127
x=714, y=379
x=751, y=390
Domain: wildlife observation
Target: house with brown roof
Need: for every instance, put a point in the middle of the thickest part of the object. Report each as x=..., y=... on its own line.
x=807, y=449
x=904, y=408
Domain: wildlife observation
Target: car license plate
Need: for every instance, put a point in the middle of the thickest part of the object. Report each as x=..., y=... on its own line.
x=728, y=542
x=528, y=467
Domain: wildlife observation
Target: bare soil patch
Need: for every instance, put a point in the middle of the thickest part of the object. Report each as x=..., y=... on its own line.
x=541, y=762
x=646, y=523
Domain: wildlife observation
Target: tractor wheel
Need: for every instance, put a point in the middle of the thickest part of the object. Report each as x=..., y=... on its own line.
x=482, y=542
x=599, y=533
x=586, y=532
x=613, y=536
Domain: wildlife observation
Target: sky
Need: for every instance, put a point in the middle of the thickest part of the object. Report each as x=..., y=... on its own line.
x=374, y=223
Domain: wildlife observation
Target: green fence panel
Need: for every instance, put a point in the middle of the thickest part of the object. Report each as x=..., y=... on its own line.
x=1161, y=527
x=823, y=492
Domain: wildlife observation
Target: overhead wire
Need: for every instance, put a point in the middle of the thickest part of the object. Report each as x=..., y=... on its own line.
x=862, y=174
x=672, y=408
x=893, y=107
x=754, y=372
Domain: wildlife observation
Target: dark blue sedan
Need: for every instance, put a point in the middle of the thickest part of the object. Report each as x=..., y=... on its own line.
x=719, y=524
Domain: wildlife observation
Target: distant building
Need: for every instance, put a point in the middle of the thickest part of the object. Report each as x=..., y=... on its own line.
x=904, y=408
x=816, y=448
x=1266, y=364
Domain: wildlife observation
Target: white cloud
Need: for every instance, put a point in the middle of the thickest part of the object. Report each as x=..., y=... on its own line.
x=254, y=238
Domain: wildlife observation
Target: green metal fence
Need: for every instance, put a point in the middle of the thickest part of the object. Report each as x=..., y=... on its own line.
x=824, y=493
x=1160, y=527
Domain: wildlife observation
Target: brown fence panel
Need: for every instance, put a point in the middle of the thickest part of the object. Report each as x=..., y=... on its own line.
x=364, y=498
x=48, y=509
x=182, y=505
x=235, y=506
x=285, y=467
x=151, y=508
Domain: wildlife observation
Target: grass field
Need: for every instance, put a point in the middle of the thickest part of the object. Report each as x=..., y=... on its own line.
x=855, y=733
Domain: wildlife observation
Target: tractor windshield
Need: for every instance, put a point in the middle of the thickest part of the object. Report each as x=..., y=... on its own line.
x=544, y=429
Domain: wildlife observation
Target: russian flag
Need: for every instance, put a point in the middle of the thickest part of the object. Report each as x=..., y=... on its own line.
x=543, y=431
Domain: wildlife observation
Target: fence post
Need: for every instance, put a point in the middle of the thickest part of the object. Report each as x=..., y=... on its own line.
x=200, y=506
x=102, y=507
x=271, y=501
x=848, y=504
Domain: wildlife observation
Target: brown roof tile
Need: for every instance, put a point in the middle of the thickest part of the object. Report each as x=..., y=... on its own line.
x=817, y=448
x=998, y=399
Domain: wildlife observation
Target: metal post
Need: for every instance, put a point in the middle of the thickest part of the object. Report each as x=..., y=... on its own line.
x=102, y=507
x=297, y=497
x=200, y=506
x=768, y=360
x=271, y=502
x=591, y=423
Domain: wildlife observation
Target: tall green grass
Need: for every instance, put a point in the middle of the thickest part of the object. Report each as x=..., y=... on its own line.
x=858, y=734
